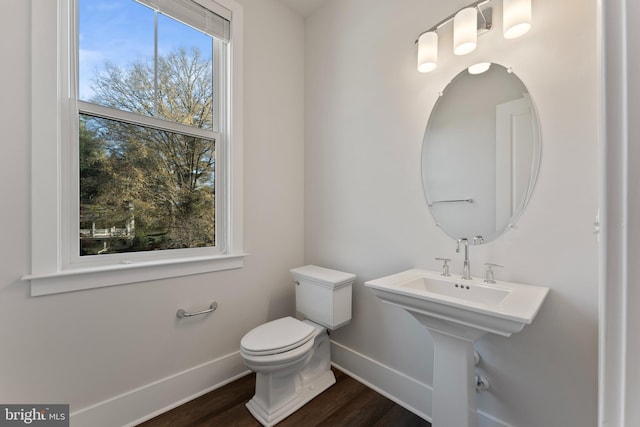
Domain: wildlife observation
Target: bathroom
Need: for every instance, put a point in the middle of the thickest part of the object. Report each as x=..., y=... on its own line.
x=334, y=114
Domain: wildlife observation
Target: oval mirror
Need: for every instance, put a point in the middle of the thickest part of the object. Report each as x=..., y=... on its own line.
x=480, y=154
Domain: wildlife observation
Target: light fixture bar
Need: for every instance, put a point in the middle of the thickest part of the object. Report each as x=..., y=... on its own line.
x=449, y=18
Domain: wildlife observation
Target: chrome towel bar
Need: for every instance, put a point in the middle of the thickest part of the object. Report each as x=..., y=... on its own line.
x=437, y=202
x=181, y=313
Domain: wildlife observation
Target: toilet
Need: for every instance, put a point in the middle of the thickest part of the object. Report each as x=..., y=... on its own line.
x=291, y=357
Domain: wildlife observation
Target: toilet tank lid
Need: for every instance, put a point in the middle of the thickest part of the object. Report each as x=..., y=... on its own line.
x=333, y=278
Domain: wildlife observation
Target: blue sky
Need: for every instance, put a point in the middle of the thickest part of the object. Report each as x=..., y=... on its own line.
x=122, y=32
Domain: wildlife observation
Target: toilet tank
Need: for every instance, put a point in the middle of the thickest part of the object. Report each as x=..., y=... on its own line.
x=323, y=295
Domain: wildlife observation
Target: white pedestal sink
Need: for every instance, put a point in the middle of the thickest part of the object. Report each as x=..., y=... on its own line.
x=457, y=312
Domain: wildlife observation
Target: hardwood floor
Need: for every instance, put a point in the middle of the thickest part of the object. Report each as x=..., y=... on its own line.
x=347, y=403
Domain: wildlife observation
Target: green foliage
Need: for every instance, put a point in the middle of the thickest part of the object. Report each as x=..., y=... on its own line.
x=92, y=159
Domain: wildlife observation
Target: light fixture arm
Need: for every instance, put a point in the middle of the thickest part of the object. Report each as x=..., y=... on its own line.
x=487, y=19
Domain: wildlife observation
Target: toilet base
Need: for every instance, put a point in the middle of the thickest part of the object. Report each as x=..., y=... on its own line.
x=282, y=391
x=307, y=392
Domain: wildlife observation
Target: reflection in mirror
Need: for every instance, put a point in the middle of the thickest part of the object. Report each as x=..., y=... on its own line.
x=480, y=154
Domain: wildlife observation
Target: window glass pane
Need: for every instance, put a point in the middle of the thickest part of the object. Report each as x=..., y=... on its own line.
x=118, y=66
x=185, y=64
x=116, y=44
x=143, y=189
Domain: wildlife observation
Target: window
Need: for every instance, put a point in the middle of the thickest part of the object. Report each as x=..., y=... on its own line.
x=138, y=175
x=149, y=113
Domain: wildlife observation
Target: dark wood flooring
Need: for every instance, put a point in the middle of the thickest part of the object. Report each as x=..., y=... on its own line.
x=347, y=403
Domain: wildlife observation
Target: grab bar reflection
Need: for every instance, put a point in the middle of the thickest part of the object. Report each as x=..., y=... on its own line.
x=181, y=313
x=438, y=202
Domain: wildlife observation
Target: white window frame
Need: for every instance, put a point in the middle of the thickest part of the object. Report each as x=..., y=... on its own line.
x=52, y=118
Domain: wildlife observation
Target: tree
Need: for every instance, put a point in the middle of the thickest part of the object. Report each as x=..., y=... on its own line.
x=92, y=159
x=164, y=179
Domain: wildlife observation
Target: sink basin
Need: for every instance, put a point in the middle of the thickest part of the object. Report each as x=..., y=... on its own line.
x=501, y=308
x=478, y=294
x=457, y=312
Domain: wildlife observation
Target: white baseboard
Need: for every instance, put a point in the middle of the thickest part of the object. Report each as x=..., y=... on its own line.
x=394, y=385
x=146, y=402
x=407, y=392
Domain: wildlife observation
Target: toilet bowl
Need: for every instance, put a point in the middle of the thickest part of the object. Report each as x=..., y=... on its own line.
x=287, y=380
x=291, y=357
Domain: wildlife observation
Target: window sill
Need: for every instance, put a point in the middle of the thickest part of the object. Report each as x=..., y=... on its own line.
x=98, y=277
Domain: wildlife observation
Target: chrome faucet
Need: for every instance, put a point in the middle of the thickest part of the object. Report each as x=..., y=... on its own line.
x=489, y=274
x=466, y=271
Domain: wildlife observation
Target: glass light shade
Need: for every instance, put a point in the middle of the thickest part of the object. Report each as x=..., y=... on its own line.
x=465, y=31
x=516, y=18
x=427, y=52
x=479, y=68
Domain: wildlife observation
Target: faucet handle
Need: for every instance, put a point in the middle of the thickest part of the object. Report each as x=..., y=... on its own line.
x=445, y=266
x=489, y=274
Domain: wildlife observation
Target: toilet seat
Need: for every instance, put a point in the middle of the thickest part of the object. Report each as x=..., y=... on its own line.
x=277, y=336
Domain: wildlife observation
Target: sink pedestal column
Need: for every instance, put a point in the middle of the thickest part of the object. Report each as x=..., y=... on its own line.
x=454, y=389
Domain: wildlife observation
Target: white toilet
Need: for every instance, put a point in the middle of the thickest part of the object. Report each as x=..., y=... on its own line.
x=291, y=358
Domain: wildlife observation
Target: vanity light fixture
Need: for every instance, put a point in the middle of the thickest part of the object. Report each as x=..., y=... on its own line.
x=516, y=18
x=465, y=31
x=468, y=23
x=427, y=51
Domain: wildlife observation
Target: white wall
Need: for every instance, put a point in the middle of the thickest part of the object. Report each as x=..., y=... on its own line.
x=366, y=112
x=85, y=347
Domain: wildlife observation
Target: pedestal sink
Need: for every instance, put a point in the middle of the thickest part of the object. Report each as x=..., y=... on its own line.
x=457, y=312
